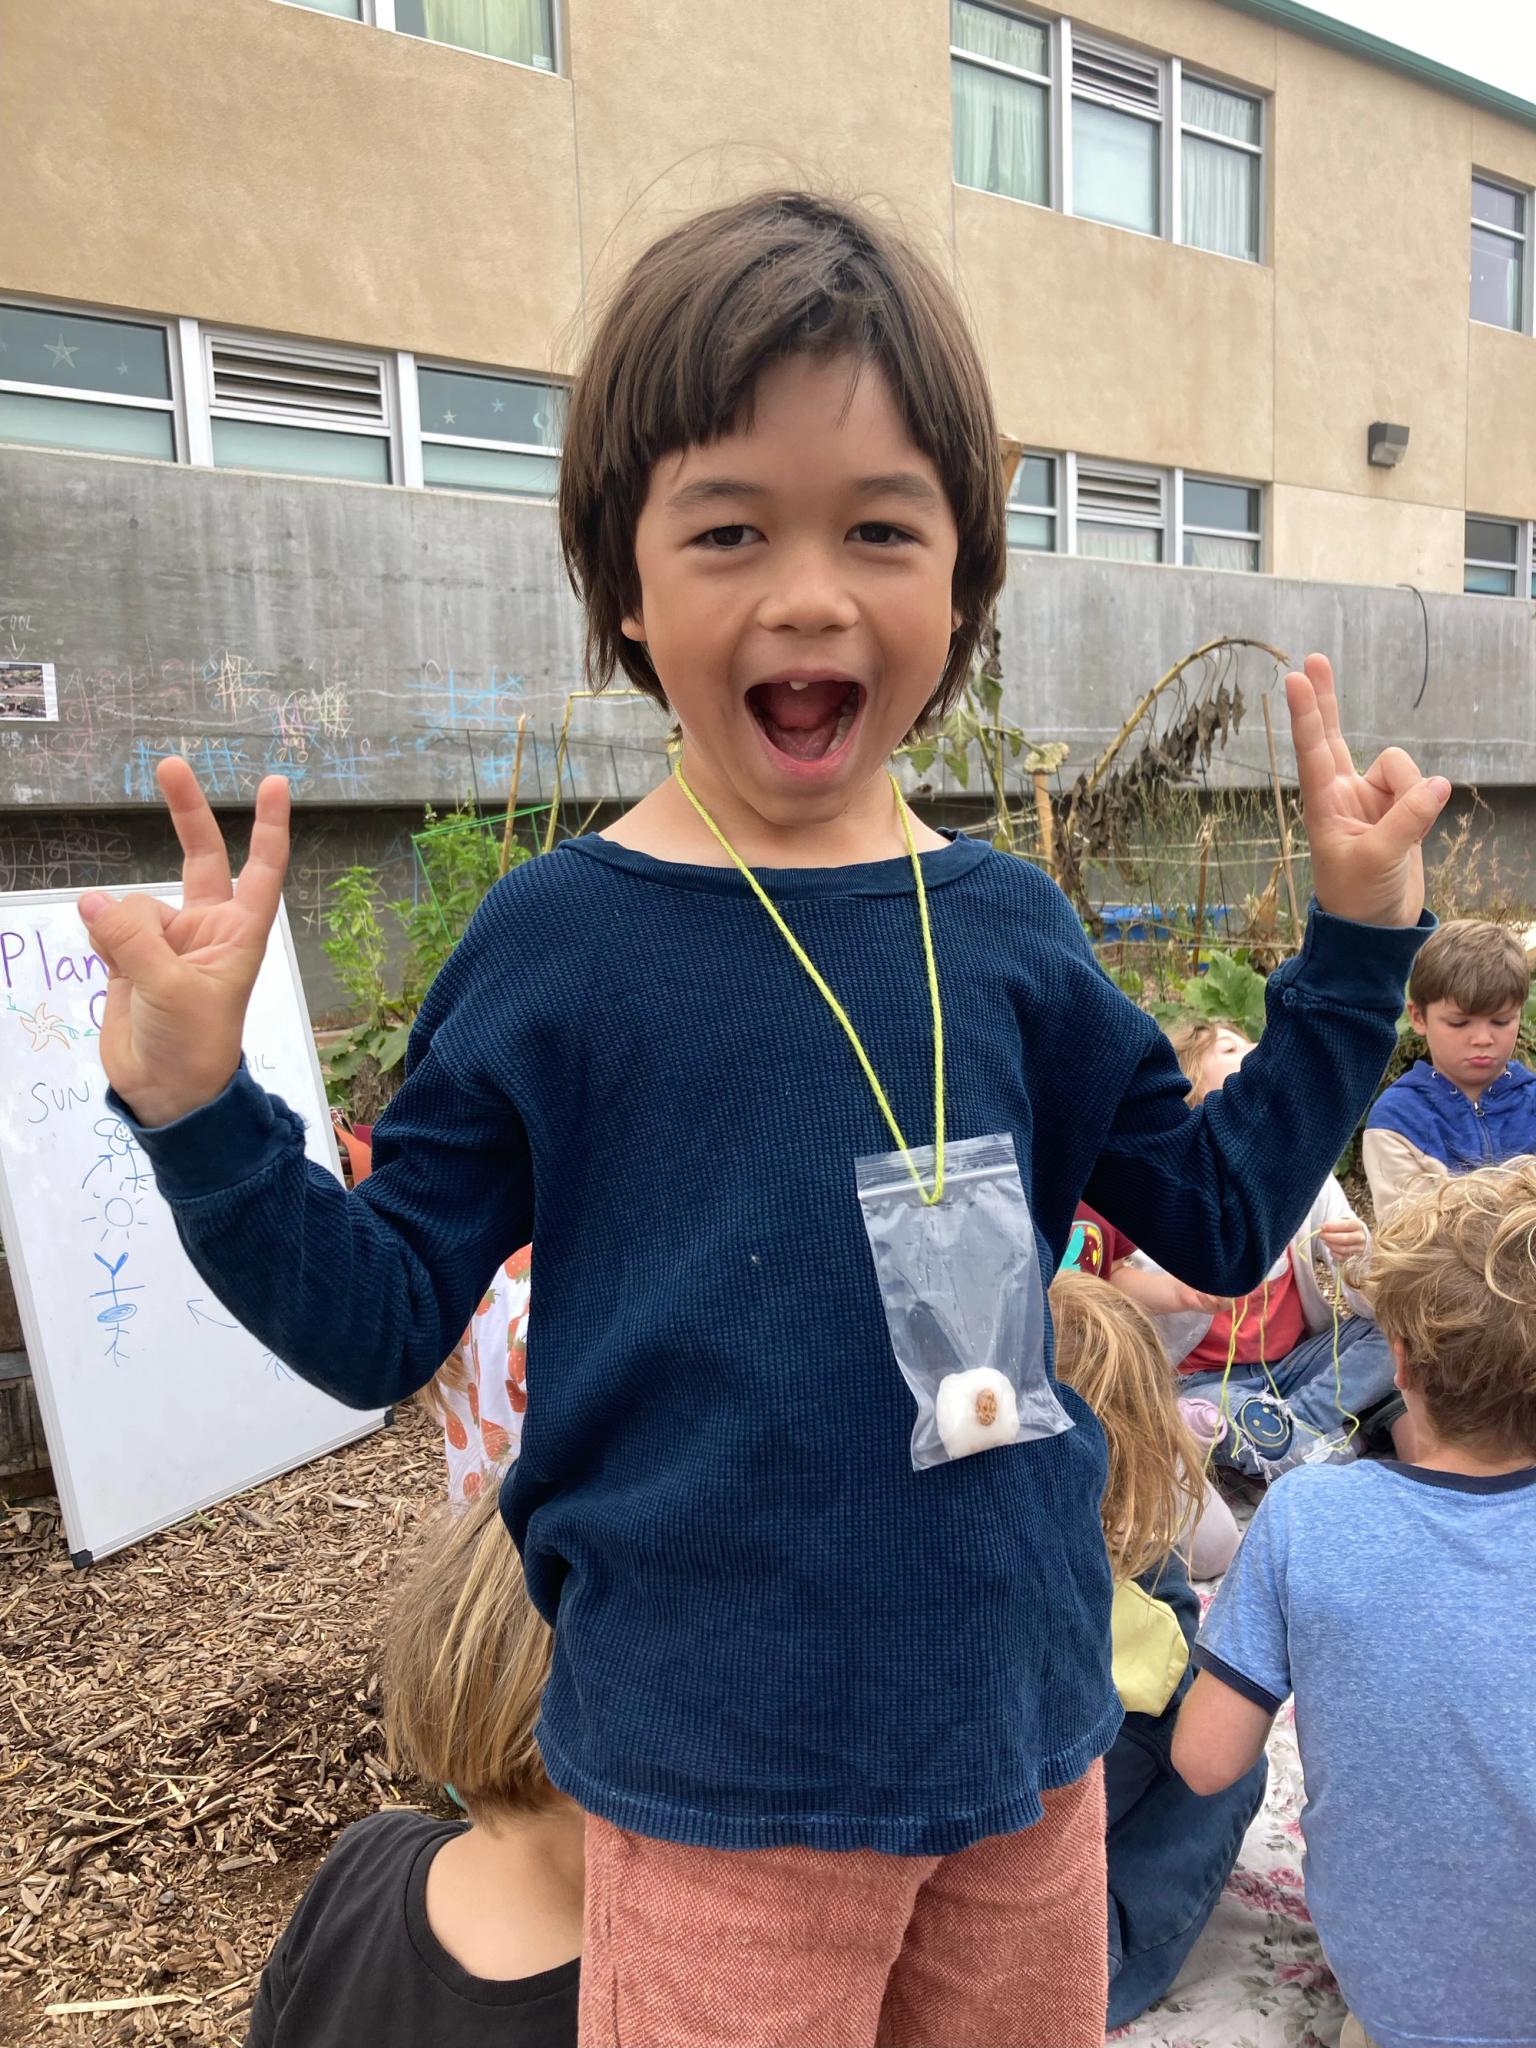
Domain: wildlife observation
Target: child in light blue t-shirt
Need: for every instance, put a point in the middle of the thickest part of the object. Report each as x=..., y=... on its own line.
x=1398, y=1603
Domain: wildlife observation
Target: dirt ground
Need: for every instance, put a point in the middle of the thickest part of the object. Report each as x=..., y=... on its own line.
x=184, y=1730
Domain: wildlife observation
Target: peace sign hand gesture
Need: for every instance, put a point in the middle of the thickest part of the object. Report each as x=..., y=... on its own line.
x=179, y=980
x=1366, y=831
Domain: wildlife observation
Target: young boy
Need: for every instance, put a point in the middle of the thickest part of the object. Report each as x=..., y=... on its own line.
x=1471, y=1103
x=835, y=1720
x=424, y=1933
x=1398, y=1604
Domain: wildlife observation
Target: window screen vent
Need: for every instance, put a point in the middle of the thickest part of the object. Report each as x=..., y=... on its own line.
x=268, y=380
x=1118, y=493
x=1117, y=75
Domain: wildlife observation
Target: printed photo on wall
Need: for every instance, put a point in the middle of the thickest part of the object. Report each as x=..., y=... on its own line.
x=27, y=690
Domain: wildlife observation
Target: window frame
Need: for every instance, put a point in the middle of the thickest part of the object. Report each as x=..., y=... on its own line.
x=1164, y=528
x=175, y=405
x=1053, y=32
x=1259, y=149
x=1522, y=236
x=1160, y=120
x=1521, y=566
x=342, y=354
x=1183, y=526
x=1055, y=512
x=1061, y=89
x=380, y=14
x=410, y=364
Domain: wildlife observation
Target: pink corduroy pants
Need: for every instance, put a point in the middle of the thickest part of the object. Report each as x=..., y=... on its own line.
x=1002, y=1945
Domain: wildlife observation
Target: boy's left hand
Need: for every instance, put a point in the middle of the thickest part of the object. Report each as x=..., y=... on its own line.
x=1366, y=831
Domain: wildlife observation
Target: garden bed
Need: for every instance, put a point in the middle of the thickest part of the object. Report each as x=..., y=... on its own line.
x=184, y=1730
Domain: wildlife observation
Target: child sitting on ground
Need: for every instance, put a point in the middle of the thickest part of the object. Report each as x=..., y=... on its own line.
x=1170, y=1853
x=1295, y=1373
x=1470, y=1103
x=1208, y=1540
x=1398, y=1601
x=456, y=1934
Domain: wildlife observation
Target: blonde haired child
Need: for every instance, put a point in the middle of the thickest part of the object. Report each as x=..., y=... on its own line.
x=1169, y=1853
x=416, y=1930
x=1401, y=1597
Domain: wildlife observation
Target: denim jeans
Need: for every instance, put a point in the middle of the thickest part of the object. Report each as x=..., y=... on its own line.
x=1322, y=1401
x=1169, y=1852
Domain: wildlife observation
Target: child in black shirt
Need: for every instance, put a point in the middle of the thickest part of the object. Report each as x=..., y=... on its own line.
x=457, y=1934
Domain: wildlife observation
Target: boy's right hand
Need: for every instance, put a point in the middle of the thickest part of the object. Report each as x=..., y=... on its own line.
x=178, y=980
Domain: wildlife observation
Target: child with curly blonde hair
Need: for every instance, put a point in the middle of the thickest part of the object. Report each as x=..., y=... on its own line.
x=1397, y=1602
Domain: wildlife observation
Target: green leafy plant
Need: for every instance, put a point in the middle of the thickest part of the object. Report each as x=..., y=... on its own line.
x=459, y=858
x=1230, y=991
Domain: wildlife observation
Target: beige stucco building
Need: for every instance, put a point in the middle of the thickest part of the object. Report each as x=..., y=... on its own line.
x=244, y=170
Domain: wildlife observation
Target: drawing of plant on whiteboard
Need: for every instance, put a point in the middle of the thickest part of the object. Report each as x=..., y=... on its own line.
x=43, y=1027
x=118, y=1313
x=117, y=1202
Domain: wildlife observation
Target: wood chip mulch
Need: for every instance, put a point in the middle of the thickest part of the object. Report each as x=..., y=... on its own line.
x=184, y=1730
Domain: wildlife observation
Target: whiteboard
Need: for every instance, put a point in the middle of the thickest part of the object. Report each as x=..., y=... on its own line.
x=155, y=1402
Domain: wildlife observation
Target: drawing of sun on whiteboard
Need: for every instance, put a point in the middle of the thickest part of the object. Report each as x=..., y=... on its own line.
x=154, y=1400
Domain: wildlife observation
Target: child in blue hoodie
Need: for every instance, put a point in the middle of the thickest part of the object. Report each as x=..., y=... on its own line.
x=1471, y=1103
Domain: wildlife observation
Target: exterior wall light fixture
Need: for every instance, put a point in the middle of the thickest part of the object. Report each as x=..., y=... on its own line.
x=1386, y=444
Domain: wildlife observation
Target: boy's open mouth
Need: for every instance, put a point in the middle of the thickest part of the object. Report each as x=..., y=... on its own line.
x=809, y=717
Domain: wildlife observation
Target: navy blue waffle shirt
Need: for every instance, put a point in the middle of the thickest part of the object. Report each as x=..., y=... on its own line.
x=769, y=1628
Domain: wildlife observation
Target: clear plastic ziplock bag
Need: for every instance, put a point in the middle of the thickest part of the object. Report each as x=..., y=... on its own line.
x=960, y=1281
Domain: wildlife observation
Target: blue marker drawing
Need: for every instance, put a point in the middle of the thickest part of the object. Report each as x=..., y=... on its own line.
x=201, y=1315
x=118, y=1312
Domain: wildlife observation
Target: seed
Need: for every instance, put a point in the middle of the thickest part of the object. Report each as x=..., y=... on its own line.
x=986, y=1407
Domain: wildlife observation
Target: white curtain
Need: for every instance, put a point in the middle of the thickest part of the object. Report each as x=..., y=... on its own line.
x=1220, y=187
x=1222, y=113
x=1214, y=551
x=1119, y=543
x=1001, y=133
x=517, y=30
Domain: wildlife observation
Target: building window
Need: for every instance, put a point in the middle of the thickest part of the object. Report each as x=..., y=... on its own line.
x=1000, y=86
x=1220, y=524
x=518, y=31
x=1117, y=136
x=1498, y=254
x=75, y=380
x=1221, y=139
x=349, y=10
x=486, y=433
x=1121, y=512
x=295, y=408
x=1032, y=505
x=1493, y=558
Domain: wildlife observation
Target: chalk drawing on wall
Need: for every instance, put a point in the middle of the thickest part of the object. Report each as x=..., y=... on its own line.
x=28, y=692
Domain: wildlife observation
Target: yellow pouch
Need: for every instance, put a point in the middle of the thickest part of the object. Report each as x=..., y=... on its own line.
x=1149, y=1650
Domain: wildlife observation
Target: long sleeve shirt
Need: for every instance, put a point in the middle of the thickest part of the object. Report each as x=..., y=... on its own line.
x=769, y=1628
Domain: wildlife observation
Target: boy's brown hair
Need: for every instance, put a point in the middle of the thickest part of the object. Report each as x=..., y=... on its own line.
x=1453, y=1280
x=466, y=1655
x=676, y=359
x=1478, y=966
